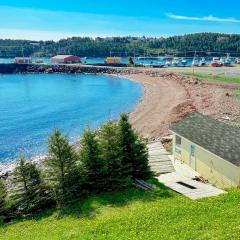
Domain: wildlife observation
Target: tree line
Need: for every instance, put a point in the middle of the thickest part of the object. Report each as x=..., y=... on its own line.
x=109, y=159
x=123, y=46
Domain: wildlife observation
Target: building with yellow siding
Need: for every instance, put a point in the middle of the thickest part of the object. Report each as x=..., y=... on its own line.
x=210, y=147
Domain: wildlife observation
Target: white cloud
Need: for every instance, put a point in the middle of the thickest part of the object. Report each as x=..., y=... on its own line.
x=209, y=18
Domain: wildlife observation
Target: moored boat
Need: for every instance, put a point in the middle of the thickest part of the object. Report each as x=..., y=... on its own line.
x=237, y=61
x=39, y=61
x=202, y=62
x=157, y=65
x=216, y=62
x=184, y=61
x=167, y=63
x=175, y=61
x=195, y=62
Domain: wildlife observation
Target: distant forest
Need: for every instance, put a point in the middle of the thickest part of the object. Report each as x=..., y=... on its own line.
x=185, y=45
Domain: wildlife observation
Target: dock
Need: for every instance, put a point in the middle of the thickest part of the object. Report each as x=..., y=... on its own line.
x=178, y=176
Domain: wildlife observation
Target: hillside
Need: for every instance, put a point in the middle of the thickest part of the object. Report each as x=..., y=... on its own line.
x=124, y=46
x=134, y=214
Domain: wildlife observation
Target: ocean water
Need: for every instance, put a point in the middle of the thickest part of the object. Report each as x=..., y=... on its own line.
x=32, y=106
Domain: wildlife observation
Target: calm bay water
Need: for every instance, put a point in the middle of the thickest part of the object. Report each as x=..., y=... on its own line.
x=32, y=106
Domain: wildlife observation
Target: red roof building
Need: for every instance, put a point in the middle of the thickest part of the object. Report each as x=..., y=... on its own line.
x=61, y=59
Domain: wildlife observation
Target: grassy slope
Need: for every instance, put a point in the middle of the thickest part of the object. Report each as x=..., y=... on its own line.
x=135, y=214
x=220, y=78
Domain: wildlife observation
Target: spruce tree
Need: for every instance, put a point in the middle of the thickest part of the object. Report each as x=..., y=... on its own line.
x=94, y=167
x=3, y=196
x=21, y=179
x=62, y=168
x=134, y=151
x=111, y=153
x=30, y=193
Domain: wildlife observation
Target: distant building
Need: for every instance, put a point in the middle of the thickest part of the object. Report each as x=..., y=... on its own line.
x=113, y=60
x=61, y=59
x=23, y=60
x=210, y=147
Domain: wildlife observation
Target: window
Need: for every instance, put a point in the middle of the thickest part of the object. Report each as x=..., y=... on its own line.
x=192, y=151
x=178, y=143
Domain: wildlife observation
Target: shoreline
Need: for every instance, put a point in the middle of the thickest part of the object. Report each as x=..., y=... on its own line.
x=167, y=98
x=8, y=167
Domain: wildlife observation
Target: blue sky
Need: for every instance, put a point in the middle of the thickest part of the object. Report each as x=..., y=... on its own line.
x=55, y=19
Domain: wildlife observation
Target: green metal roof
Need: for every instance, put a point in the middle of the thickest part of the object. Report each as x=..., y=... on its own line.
x=215, y=136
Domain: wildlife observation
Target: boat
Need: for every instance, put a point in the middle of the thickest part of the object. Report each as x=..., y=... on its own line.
x=167, y=63
x=237, y=61
x=157, y=65
x=175, y=61
x=227, y=62
x=216, y=62
x=202, y=62
x=39, y=61
x=222, y=61
x=195, y=62
x=184, y=62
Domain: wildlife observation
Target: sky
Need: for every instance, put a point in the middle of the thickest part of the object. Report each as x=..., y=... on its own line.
x=56, y=19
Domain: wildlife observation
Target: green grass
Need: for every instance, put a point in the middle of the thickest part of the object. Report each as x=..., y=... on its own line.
x=221, y=78
x=135, y=214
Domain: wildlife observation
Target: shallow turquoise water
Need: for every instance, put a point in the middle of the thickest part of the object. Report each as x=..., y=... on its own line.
x=32, y=106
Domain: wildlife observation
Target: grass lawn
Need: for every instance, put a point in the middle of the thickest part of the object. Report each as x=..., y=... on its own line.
x=135, y=214
x=221, y=78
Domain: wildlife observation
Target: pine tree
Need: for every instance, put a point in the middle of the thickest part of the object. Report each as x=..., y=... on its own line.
x=111, y=153
x=30, y=192
x=62, y=167
x=94, y=167
x=20, y=181
x=134, y=151
x=3, y=195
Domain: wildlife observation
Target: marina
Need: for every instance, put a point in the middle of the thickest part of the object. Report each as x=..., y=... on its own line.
x=142, y=61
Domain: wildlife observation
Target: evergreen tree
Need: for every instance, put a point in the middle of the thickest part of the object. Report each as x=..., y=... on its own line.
x=134, y=151
x=3, y=195
x=94, y=167
x=30, y=193
x=21, y=179
x=62, y=167
x=111, y=153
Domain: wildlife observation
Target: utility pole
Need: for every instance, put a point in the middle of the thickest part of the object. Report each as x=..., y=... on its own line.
x=193, y=63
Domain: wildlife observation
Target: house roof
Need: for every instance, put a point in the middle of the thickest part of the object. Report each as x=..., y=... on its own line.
x=215, y=136
x=62, y=56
